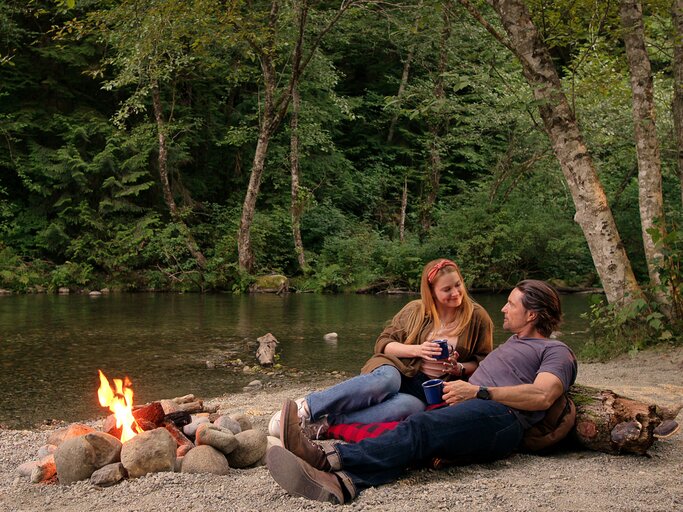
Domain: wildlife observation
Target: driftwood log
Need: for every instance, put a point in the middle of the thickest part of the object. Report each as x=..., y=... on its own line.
x=611, y=423
x=265, y=353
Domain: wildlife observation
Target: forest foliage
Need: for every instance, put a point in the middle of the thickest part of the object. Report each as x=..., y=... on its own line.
x=418, y=138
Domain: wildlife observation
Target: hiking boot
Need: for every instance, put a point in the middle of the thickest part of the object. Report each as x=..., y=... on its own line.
x=303, y=413
x=299, y=478
x=294, y=440
x=316, y=429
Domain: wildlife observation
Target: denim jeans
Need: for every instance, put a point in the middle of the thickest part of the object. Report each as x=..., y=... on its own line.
x=475, y=430
x=366, y=398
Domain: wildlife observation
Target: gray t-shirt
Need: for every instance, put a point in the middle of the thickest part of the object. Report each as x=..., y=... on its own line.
x=519, y=361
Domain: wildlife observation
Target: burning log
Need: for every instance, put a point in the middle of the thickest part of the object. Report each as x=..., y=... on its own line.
x=611, y=423
x=183, y=442
x=152, y=414
x=266, y=349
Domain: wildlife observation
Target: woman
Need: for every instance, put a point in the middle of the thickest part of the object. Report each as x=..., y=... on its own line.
x=390, y=385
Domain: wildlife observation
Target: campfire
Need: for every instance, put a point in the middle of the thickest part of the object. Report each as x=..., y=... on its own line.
x=119, y=400
x=179, y=434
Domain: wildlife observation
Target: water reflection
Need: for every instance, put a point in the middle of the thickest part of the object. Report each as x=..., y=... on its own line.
x=52, y=346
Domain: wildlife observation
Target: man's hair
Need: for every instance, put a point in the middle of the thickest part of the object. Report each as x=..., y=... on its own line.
x=543, y=299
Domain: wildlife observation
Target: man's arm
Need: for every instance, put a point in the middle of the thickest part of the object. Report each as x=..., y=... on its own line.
x=538, y=396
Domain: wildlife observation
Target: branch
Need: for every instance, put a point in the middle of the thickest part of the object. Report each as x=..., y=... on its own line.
x=477, y=15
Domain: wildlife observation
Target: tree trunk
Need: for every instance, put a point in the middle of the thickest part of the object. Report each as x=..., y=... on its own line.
x=610, y=423
x=592, y=210
x=437, y=127
x=162, y=160
x=677, y=19
x=297, y=206
x=401, y=89
x=244, y=251
x=274, y=110
x=647, y=146
x=404, y=208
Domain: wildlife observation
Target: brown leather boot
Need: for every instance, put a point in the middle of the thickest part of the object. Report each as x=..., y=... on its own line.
x=316, y=429
x=299, y=478
x=294, y=440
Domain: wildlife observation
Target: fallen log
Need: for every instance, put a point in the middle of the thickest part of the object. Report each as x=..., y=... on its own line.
x=611, y=423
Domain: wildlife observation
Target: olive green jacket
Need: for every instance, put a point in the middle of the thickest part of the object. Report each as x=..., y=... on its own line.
x=474, y=344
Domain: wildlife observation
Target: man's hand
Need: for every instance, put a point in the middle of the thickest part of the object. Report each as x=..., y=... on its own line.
x=457, y=391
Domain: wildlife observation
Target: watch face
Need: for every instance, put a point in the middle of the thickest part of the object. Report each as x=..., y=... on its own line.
x=483, y=393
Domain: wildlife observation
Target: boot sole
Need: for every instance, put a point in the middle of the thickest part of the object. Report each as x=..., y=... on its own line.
x=289, y=472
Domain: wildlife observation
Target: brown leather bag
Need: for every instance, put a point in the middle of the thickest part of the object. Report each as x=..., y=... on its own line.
x=559, y=420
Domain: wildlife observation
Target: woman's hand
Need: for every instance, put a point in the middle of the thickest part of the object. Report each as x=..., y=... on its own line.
x=456, y=391
x=429, y=350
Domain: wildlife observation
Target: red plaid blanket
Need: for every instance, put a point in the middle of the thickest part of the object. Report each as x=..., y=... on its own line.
x=354, y=432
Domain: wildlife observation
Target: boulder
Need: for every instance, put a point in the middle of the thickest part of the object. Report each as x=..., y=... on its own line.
x=107, y=448
x=251, y=447
x=45, y=450
x=73, y=430
x=75, y=460
x=265, y=354
x=152, y=451
x=191, y=428
x=229, y=423
x=45, y=470
x=205, y=459
x=108, y=475
x=243, y=420
x=273, y=283
x=221, y=439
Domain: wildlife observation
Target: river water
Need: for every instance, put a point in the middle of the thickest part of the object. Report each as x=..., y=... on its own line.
x=52, y=346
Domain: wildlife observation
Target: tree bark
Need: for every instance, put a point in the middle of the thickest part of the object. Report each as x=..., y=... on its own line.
x=611, y=423
x=274, y=111
x=592, y=210
x=437, y=127
x=677, y=19
x=404, y=208
x=297, y=206
x=162, y=161
x=647, y=146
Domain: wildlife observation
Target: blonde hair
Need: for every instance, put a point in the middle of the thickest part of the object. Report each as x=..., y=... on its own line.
x=427, y=307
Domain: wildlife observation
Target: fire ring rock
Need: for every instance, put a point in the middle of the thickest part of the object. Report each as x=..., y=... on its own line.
x=221, y=439
x=75, y=460
x=205, y=459
x=243, y=420
x=227, y=422
x=152, y=451
x=251, y=448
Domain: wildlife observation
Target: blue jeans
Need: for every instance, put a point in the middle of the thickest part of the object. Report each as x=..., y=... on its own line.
x=366, y=398
x=475, y=430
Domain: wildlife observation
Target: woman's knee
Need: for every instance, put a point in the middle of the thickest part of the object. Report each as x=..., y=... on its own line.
x=385, y=378
x=407, y=404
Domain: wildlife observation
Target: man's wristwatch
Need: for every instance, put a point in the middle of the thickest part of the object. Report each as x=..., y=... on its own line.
x=483, y=393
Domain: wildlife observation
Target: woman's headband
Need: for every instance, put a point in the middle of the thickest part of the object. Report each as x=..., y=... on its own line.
x=433, y=271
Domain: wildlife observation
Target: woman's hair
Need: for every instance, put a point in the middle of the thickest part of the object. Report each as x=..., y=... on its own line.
x=543, y=299
x=430, y=274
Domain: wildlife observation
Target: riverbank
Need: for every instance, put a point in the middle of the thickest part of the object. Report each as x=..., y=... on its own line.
x=573, y=481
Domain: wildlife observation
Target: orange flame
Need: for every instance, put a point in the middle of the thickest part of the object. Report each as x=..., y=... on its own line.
x=120, y=402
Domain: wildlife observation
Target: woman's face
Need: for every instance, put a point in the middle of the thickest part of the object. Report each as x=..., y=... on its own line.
x=448, y=290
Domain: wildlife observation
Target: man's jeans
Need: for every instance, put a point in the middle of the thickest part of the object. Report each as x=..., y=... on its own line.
x=366, y=398
x=475, y=430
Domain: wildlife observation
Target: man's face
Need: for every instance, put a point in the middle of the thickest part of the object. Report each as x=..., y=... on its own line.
x=516, y=318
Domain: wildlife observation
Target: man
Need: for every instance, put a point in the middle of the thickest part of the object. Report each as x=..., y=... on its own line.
x=485, y=420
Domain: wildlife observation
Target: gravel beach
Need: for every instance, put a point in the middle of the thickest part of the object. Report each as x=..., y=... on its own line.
x=571, y=481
